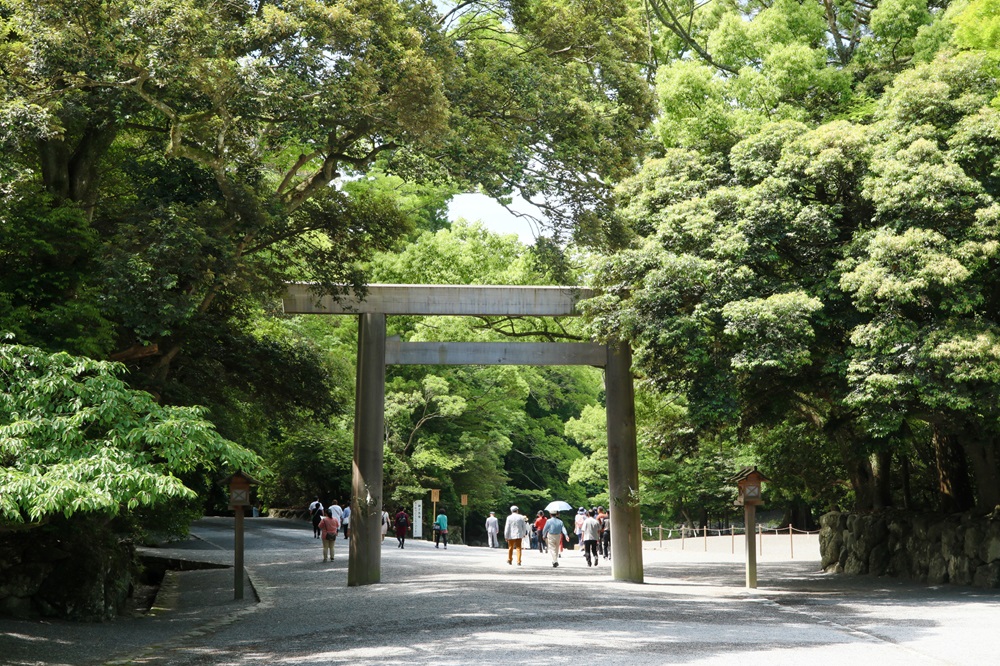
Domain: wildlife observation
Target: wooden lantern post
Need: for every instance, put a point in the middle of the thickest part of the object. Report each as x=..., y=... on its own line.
x=239, y=498
x=749, y=481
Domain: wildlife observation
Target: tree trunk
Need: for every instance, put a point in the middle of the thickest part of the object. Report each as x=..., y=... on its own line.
x=954, y=488
x=853, y=448
x=907, y=491
x=863, y=482
x=982, y=451
x=71, y=174
x=881, y=464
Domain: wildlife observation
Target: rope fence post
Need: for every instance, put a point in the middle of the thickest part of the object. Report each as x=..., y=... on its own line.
x=760, y=540
x=732, y=533
x=683, y=530
x=705, y=534
x=791, y=542
x=661, y=536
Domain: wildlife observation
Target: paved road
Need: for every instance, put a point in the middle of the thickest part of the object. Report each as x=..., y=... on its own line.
x=466, y=605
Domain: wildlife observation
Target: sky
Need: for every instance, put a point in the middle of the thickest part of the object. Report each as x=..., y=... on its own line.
x=494, y=217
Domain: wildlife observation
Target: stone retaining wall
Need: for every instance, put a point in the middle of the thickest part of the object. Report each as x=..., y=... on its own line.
x=962, y=549
x=46, y=574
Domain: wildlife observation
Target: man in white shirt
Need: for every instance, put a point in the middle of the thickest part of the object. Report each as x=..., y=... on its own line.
x=590, y=532
x=493, y=529
x=514, y=531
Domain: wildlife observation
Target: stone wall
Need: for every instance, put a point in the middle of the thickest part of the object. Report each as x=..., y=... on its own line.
x=961, y=549
x=44, y=573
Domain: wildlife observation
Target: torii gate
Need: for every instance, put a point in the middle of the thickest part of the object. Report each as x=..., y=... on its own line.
x=375, y=352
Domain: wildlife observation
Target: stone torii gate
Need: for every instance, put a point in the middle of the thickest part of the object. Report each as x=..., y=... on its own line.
x=375, y=352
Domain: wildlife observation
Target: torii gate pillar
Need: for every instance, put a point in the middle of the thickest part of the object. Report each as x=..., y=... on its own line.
x=364, y=562
x=623, y=466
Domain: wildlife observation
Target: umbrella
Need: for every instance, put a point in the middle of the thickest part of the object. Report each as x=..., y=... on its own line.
x=558, y=505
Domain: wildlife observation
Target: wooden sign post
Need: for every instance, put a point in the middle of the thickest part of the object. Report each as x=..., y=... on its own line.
x=239, y=499
x=749, y=481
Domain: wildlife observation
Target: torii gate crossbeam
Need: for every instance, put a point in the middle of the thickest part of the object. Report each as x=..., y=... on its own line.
x=375, y=352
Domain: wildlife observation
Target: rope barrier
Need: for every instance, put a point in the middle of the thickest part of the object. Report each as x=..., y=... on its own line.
x=690, y=532
x=668, y=532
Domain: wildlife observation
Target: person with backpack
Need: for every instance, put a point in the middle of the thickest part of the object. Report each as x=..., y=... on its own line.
x=328, y=526
x=402, y=523
x=441, y=529
x=316, y=514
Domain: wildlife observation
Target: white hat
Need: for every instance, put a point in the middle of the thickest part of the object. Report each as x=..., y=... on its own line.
x=513, y=508
x=492, y=512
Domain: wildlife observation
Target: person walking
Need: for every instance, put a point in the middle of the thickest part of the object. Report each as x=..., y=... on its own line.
x=385, y=524
x=581, y=515
x=492, y=529
x=328, y=526
x=591, y=532
x=338, y=512
x=539, y=526
x=554, y=531
x=316, y=515
x=346, y=521
x=605, y=534
x=441, y=529
x=402, y=523
x=514, y=532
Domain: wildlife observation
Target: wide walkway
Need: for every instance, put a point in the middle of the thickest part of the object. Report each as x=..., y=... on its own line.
x=466, y=605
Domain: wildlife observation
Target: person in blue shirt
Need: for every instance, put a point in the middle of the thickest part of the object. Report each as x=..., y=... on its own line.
x=553, y=533
x=441, y=529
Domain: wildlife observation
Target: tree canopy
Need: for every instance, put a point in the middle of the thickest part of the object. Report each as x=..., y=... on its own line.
x=813, y=267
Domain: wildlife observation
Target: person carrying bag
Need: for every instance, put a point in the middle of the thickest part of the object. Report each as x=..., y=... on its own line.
x=328, y=527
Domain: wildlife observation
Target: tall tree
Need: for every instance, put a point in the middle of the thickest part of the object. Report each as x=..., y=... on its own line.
x=822, y=269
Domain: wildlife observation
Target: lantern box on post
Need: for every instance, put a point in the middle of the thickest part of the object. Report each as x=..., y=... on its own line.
x=239, y=489
x=749, y=481
x=239, y=497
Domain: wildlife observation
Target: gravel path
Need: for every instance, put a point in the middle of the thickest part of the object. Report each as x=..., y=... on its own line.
x=466, y=605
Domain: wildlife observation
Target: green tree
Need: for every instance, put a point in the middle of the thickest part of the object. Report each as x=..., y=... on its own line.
x=821, y=272
x=74, y=438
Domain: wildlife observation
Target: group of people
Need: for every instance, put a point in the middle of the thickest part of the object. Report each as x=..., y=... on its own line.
x=341, y=514
x=328, y=522
x=549, y=533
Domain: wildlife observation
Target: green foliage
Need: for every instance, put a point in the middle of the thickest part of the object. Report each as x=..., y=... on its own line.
x=75, y=439
x=977, y=25
x=822, y=284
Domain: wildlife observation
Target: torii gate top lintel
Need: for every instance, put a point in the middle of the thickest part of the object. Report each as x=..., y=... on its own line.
x=441, y=299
